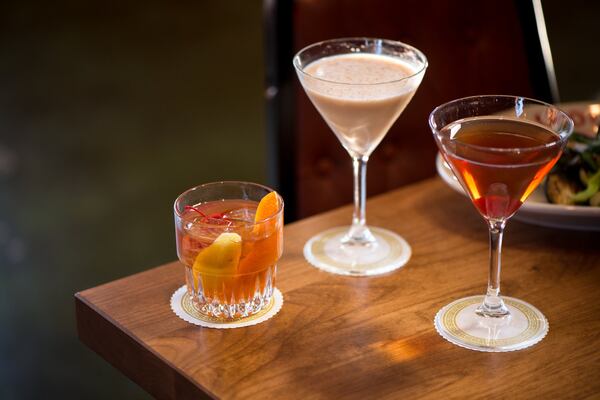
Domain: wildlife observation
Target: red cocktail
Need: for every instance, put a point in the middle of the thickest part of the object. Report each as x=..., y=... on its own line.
x=500, y=151
x=497, y=178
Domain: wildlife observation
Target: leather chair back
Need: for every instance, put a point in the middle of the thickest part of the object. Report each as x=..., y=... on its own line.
x=473, y=47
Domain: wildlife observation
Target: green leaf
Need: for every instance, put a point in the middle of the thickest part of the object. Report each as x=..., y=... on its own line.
x=593, y=185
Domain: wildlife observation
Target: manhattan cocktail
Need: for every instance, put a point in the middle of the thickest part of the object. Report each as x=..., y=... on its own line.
x=499, y=150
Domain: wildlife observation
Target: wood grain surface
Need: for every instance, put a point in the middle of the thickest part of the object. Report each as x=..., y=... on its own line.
x=346, y=337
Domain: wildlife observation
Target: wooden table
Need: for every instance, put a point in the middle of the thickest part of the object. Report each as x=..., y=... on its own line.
x=344, y=337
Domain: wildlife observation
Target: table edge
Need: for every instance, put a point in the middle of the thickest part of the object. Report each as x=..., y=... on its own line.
x=119, y=329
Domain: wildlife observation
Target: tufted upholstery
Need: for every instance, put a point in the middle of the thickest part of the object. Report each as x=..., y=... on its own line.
x=473, y=47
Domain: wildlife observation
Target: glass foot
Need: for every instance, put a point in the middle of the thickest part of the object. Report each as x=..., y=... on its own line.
x=327, y=251
x=459, y=324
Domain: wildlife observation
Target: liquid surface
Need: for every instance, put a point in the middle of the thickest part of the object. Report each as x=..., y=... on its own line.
x=359, y=68
x=360, y=110
x=499, y=181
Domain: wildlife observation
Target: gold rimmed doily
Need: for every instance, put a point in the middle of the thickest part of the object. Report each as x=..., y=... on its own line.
x=459, y=324
x=325, y=252
x=182, y=306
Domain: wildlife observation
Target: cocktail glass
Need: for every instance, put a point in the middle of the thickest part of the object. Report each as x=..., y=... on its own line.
x=229, y=238
x=359, y=86
x=499, y=148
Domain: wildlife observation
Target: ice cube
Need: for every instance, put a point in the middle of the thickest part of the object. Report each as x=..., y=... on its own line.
x=202, y=232
x=241, y=214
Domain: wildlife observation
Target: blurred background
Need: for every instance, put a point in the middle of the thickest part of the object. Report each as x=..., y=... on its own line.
x=107, y=113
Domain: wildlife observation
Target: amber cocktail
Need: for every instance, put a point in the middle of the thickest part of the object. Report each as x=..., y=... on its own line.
x=499, y=148
x=229, y=238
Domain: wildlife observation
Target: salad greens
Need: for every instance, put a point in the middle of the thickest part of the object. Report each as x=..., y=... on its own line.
x=575, y=179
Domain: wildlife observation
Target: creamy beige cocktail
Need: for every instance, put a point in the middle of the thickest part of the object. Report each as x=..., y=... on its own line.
x=356, y=107
x=359, y=86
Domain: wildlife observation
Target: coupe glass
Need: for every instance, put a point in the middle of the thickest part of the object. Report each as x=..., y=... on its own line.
x=359, y=86
x=499, y=148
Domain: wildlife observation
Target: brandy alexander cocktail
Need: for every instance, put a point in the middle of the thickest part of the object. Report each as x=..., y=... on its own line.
x=500, y=152
x=359, y=86
x=359, y=112
x=229, y=238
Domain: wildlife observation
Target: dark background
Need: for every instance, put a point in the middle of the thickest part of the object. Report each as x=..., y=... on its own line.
x=107, y=112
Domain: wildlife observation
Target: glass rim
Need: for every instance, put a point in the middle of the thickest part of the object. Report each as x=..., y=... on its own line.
x=219, y=183
x=296, y=59
x=559, y=140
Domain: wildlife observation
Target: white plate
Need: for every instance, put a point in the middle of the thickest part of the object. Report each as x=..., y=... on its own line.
x=536, y=209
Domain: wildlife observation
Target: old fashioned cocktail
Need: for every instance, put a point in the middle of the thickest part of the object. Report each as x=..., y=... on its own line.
x=229, y=238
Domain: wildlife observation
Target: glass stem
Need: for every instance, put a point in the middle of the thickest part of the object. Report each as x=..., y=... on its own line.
x=493, y=305
x=359, y=233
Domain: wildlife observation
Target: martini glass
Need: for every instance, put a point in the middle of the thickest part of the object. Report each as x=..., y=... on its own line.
x=359, y=86
x=499, y=148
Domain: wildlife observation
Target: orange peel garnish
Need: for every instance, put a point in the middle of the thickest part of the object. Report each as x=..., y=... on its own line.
x=269, y=206
x=266, y=250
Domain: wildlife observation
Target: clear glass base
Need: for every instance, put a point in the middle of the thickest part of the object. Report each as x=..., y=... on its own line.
x=331, y=251
x=182, y=305
x=214, y=310
x=230, y=297
x=459, y=323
